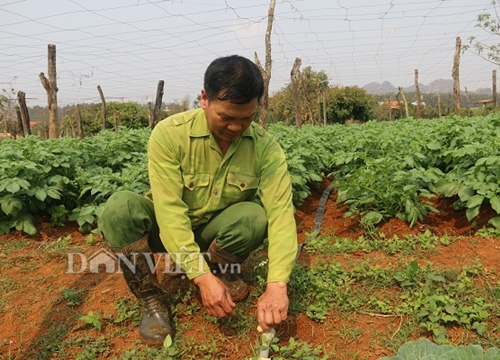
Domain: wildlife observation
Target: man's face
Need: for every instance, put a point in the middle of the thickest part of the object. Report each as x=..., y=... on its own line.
x=226, y=120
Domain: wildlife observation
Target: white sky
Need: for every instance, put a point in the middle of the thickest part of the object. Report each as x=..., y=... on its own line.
x=127, y=46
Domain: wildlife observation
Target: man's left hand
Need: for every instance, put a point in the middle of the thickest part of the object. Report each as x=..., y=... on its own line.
x=272, y=307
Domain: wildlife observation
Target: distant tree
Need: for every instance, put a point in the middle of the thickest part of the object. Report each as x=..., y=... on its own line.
x=196, y=102
x=350, y=102
x=491, y=25
x=311, y=86
x=130, y=114
x=177, y=106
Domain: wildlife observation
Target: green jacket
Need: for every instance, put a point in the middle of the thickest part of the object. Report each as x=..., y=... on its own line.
x=191, y=180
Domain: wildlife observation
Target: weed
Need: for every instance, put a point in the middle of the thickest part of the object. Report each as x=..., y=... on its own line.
x=7, y=284
x=91, y=319
x=73, y=296
x=409, y=276
x=348, y=334
x=8, y=247
x=92, y=348
x=47, y=344
x=60, y=245
x=186, y=306
x=236, y=325
x=295, y=349
x=195, y=351
x=486, y=232
x=437, y=303
x=90, y=240
x=128, y=309
x=138, y=352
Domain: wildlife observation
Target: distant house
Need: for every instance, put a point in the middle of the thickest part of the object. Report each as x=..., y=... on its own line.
x=394, y=105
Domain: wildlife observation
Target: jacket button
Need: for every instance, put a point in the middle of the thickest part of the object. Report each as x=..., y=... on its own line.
x=191, y=184
x=242, y=185
x=216, y=192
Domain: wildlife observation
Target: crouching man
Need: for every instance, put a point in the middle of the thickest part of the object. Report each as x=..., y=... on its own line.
x=219, y=187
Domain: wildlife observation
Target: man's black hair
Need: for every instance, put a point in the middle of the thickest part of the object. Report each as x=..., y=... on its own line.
x=233, y=78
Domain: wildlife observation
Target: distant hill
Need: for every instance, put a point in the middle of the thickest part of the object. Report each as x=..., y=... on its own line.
x=440, y=86
x=376, y=88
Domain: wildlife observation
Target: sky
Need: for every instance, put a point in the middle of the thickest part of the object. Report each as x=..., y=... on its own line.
x=127, y=46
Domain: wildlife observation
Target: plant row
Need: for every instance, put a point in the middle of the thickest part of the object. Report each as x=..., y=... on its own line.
x=380, y=170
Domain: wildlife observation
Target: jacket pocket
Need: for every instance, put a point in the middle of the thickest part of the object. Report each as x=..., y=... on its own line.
x=241, y=187
x=196, y=189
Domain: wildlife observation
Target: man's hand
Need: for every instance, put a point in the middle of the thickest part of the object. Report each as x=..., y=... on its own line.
x=215, y=296
x=272, y=307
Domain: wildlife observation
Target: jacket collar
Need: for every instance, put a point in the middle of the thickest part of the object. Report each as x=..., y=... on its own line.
x=200, y=126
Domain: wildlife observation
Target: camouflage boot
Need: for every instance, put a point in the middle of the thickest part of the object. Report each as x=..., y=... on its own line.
x=220, y=262
x=142, y=281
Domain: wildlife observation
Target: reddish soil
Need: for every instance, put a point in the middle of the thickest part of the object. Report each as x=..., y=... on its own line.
x=32, y=308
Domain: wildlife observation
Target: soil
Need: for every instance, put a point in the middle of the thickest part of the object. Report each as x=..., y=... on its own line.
x=33, y=312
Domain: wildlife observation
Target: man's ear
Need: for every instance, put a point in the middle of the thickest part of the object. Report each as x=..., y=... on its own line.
x=203, y=99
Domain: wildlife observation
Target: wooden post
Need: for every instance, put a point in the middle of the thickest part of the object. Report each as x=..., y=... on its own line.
x=159, y=97
x=115, y=121
x=469, y=113
x=50, y=86
x=390, y=108
x=404, y=100
x=456, y=77
x=295, y=90
x=5, y=115
x=494, y=75
x=103, y=106
x=308, y=102
x=417, y=90
x=439, y=106
x=25, y=116
x=72, y=121
x=19, y=122
x=324, y=108
x=266, y=73
x=150, y=114
x=79, y=122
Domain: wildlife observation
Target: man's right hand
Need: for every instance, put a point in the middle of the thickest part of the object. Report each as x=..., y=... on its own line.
x=215, y=296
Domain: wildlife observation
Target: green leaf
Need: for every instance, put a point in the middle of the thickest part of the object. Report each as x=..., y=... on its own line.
x=54, y=194
x=167, y=342
x=433, y=146
x=446, y=187
x=40, y=194
x=13, y=187
x=495, y=203
x=495, y=222
x=28, y=227
x=315, y=177
x=26, y=224
x=465, y=192
x=472, y=212
x=481, y=328
x=492, y=354
x=4, y=227
x=475, y=201
x=372, y=217
x=11, y=205
x=421, y=349
x=470, y=352
x=87, y=210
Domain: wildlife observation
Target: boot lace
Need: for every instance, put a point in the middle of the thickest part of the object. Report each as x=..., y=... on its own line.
x=154, y=303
